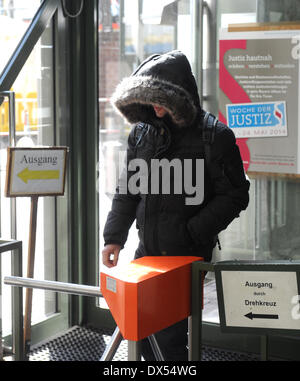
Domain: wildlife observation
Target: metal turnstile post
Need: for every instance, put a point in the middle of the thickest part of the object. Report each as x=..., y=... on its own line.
x=155, y=348
x=113, y=345
x=134, y=350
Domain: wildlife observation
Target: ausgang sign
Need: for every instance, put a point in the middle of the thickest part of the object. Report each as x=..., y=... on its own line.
x=35, y=171
x=261, y=296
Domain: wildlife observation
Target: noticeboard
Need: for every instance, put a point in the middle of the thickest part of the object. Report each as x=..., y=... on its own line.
x=256, y=297
x=35, y=171
x=259, y=95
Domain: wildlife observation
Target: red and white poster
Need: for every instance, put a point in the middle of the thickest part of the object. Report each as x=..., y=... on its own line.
x=259, y=97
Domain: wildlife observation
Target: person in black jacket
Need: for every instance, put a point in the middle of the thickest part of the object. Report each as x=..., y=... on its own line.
x=161, y=100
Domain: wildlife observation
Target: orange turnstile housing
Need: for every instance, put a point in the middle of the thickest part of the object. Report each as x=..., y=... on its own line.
x=148, y=294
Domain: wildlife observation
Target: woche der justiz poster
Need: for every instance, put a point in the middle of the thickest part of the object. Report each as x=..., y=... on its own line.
x=259, y=97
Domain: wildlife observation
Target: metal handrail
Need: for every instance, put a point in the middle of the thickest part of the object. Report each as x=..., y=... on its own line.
x=27, y=43
x=85, y=290
x=68, y=288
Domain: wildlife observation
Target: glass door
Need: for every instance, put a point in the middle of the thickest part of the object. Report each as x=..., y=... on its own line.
x=36, y=125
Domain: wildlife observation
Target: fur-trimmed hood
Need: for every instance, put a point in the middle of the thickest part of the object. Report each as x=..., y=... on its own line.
x=165, y=80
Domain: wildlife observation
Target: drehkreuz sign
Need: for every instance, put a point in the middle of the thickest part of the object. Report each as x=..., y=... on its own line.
x=35, y=171
x=261, y=296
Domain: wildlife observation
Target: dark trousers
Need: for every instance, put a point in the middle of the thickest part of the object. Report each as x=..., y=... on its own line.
x=172, y=342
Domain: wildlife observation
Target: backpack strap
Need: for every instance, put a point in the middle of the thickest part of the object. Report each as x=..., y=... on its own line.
x=208, y=134
x=140, y=131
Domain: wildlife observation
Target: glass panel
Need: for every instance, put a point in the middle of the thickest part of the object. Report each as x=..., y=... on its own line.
x=15, y=17
x=268, y=228
x=35, y=126
x=238, y=241
x=130, y=31
x=268, y=223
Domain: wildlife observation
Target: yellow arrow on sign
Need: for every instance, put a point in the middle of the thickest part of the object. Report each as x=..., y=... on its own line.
x=27, y=174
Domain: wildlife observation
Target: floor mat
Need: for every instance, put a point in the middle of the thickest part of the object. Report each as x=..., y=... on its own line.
x=88, y=344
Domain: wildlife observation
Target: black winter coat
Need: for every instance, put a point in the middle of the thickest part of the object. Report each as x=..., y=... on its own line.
x=165, y=223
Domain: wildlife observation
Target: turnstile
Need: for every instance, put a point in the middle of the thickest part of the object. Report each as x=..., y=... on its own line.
x=145, y=296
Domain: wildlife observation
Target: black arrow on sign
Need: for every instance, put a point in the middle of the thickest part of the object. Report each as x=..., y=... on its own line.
x=251, y=316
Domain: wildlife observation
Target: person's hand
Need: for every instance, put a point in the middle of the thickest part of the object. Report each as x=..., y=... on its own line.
x=108, y=251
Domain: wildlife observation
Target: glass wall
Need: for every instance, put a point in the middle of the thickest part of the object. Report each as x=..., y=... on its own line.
x=268, y=229
x=35, y=125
